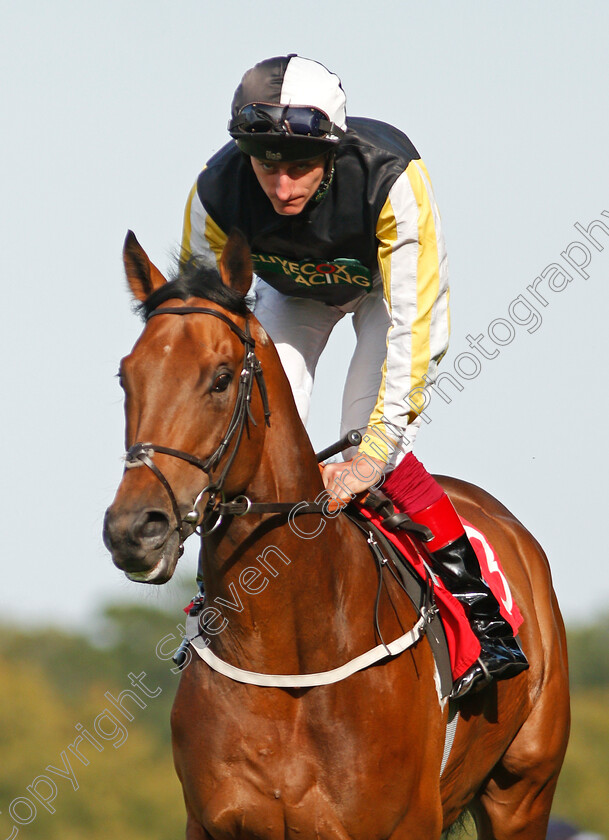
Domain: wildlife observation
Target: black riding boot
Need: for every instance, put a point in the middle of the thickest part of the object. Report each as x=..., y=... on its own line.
x=501, y=656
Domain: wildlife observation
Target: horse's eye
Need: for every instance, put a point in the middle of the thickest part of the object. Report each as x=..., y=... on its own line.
x=222, y=382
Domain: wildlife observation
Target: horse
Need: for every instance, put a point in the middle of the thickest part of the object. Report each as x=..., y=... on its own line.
x=212, y=426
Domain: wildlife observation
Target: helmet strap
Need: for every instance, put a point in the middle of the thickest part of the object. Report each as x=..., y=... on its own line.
x=326, y=181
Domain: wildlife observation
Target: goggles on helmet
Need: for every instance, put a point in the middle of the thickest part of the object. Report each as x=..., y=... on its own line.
x=289, y=120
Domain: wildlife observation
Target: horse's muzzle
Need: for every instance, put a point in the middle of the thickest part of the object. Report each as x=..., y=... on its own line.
x=143, y=545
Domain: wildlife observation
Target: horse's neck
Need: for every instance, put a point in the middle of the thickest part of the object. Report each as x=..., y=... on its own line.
x=288, y=470
x=303, y=582
x=287, y=474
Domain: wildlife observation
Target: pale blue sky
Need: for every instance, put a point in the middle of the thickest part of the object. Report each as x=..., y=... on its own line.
x=109, y=112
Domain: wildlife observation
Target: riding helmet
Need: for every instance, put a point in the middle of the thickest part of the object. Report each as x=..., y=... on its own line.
x=288, y=108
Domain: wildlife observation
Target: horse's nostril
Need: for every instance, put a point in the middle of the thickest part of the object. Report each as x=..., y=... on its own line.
x=151, y=525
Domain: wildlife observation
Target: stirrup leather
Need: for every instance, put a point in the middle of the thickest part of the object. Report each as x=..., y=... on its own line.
x=394, y=520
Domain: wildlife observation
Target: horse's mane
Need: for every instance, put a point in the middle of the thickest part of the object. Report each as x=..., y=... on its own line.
x=195, y=279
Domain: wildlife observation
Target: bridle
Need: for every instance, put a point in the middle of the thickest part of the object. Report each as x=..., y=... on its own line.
x=142, y=454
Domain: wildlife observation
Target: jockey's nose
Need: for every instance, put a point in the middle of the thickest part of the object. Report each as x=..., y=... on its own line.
x=284, y=186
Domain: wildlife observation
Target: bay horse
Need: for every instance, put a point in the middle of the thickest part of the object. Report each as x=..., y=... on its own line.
x=205, y=394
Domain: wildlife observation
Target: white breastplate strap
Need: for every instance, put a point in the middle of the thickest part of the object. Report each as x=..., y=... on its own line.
x=451, y=730
x=301, y=680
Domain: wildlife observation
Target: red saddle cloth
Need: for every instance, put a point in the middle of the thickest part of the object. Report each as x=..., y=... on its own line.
x=463, y=646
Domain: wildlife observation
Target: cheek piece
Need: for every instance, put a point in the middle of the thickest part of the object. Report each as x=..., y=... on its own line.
x=326, y=181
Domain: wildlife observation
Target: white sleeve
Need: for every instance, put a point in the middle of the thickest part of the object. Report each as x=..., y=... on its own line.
x=414, y=271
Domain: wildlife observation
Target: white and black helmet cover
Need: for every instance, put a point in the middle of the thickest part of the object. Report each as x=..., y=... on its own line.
x=292, y=82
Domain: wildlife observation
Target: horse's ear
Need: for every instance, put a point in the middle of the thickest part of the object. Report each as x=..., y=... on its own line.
x=236, y=263
x=143, y=277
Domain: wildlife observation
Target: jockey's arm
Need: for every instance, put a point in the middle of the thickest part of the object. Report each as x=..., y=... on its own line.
x=414, y=272
x=201, y=236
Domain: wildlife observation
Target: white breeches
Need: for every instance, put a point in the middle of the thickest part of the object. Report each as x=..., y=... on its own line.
x=300, y=329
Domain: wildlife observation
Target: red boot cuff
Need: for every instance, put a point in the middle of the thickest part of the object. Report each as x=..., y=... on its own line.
x=410, y=487
x=442, y=519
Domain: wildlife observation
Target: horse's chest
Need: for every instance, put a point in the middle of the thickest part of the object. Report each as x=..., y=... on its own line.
x=290, y=767
x=242, y=810
x=260, y=782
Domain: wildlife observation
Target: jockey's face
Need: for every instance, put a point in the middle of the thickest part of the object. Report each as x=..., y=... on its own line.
x=289, y=184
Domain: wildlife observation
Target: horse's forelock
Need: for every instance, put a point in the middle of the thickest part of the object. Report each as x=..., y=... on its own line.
x=195, y=280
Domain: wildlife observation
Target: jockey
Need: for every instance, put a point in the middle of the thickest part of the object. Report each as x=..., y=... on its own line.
x=341, y=219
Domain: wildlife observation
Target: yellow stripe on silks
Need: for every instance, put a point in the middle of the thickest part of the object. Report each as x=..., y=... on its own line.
x=441, y=356
x=216, y=237
x=186, y=249
x=423, y=169
x=375, y=446
x=428, y=278
x=419, y=223
x=387, y=234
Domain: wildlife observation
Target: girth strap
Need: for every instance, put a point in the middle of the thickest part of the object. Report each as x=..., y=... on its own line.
x=421, y=595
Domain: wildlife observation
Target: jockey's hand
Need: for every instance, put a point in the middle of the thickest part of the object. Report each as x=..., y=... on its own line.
x=345, y=480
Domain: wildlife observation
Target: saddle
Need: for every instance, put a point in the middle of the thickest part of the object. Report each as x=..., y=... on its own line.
x=402, y=542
